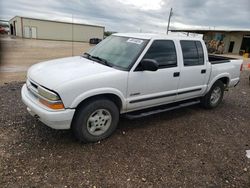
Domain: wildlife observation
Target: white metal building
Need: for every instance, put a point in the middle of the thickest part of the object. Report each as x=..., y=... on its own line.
x=54, y=30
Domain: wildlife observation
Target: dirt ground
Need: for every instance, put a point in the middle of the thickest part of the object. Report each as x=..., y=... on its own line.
x=189, y=147
x=19, y=54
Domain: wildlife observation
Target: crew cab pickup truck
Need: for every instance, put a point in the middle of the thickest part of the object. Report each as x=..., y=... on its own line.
x=126, y=74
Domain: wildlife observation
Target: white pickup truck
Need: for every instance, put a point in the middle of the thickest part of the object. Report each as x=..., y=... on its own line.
x=126, y=74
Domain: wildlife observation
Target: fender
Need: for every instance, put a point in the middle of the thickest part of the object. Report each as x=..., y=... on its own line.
x=223, y=75
x=98, y=91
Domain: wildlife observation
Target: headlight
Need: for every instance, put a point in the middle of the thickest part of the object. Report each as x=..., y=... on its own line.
x=47, y=94
x=49, y=99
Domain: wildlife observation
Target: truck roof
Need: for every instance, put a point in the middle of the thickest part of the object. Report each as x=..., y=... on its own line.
x=149, y=36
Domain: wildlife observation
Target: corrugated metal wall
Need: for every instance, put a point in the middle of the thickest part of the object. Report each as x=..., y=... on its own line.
x=18, y=25
x=50, y=30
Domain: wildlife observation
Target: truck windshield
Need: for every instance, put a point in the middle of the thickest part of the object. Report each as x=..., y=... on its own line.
x=120, y=52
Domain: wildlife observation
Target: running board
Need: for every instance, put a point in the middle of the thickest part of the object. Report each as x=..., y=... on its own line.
x=157, y=110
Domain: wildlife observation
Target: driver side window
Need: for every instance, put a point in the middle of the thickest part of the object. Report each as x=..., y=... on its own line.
x=164, y=52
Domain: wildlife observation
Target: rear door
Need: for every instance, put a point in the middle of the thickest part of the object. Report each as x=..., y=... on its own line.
x=194, y=73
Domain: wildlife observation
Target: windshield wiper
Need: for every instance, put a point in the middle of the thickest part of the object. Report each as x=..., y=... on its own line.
x=87, y=55
x=103, y=61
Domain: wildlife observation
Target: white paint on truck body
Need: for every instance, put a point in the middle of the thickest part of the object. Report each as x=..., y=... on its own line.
x=75, y=79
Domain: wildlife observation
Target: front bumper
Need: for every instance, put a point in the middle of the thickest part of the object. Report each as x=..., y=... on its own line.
x=56, y=119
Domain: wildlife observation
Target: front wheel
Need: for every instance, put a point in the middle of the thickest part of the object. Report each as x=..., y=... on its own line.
x=95, y=120
x=214, y=97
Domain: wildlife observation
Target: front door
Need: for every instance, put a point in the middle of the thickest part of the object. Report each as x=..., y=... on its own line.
x=151, y=88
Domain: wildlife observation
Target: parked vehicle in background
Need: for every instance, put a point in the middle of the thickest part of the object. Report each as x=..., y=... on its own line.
x=133, y=75
x=94, y=40
x=3, y=30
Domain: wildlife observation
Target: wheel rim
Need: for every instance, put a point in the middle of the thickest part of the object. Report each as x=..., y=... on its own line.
x=99, y=122
x=215, y=96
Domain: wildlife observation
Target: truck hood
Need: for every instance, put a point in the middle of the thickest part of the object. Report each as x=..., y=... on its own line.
x=52, y=74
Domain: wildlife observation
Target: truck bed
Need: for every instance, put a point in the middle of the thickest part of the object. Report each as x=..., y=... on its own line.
x=215, y=59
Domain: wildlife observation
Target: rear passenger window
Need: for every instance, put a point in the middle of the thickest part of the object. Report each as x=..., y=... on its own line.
x=163, y=51
x=192, y=53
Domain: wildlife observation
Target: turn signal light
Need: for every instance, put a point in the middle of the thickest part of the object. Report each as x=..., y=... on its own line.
x=54, y=106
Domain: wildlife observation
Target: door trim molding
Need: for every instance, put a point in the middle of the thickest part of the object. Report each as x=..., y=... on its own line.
x=189, y=91
x=163, y=96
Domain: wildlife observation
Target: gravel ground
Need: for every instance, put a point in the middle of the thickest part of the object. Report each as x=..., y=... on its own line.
x=189, y=147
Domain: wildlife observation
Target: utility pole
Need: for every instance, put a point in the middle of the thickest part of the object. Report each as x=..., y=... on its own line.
x=169, y=18
x=72, y=49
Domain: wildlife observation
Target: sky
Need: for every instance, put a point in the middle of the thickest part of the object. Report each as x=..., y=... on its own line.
x=136, y=15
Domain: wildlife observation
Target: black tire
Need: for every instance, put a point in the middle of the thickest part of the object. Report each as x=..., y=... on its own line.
x=81, y=122
x=207, y=101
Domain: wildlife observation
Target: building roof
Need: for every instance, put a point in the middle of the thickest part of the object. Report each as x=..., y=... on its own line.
x=203, y=31
x=57, y=21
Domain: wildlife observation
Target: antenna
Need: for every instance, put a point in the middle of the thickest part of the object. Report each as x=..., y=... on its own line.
x=169, y=18
x=72, y=49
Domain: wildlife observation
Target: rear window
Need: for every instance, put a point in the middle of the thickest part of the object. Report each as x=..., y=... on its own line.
x=192, y=53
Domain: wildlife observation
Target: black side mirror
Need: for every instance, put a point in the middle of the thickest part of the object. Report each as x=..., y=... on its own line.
x=149, y=65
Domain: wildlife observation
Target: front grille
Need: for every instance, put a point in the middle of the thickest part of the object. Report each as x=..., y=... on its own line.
x=33, y=85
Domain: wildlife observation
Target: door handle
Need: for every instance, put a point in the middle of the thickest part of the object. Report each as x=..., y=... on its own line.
x=176, y=74
x=203, y=71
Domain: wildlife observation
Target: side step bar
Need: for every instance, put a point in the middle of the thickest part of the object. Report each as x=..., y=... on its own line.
x=157, y=110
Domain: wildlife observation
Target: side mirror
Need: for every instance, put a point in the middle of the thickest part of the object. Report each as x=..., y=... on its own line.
x=149, y=65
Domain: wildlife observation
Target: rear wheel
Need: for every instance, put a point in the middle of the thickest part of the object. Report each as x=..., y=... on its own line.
x=95, y=120
x=214, y=97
